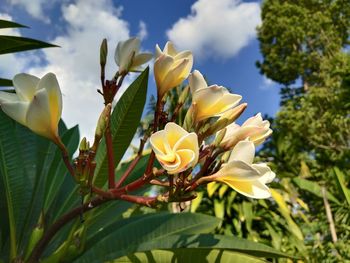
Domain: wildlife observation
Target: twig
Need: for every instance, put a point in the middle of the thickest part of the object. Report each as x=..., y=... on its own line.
x=329, y=215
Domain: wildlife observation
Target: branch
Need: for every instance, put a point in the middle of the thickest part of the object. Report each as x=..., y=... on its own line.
x=50, y=233
x=132, y=165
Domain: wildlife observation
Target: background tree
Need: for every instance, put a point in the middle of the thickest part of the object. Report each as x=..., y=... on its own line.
x=304, y=44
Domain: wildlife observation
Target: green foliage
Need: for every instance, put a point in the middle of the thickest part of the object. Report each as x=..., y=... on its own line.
x=12, y=44
x=124, y=122
x=307, y=41
x=296, y=35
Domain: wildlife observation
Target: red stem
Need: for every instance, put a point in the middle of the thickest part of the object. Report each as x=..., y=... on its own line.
x=128, y=171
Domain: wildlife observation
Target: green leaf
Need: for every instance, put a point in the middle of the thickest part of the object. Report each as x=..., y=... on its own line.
x=313, y=188
x=5, y=82
x=189, y=255
x=8, y=24
x=341, y=180
x=12, y=184
x=12, y=44
x=124, y=122
x=148, y=229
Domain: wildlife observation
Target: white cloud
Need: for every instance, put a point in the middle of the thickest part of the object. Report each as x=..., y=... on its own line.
x=216, y=28
x=267, y=84
x=33, y=7
x=76, y=63
x=142, y=30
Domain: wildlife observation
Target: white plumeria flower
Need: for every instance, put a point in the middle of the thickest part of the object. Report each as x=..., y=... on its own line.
x=255, y=129
x=37, y=103
x=242, y=175
x=210, y=101
x=175, y=148
x=171, y=68
x=127, y=55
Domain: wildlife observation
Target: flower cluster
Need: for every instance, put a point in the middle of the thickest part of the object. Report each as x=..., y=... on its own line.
x=177, y=150
x=206, y=145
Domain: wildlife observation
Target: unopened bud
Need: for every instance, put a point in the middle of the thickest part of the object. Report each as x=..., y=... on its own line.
x=184, y=94
x=225, y=157
x=103, y=121
x=190, y=117
x=226, y=119
x=35, y=236
x=103, y=52
x=84, y=145
x=220, y=135
x=233, y=114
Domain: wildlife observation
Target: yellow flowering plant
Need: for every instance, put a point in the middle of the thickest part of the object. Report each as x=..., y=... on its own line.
x=183, y=153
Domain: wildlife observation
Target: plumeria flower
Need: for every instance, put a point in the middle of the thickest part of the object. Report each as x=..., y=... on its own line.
x=255, y=129
x=242, y=175
x=37, y=103
x=175, y=148
x=171, y=68
x=127, y=55
x=210, y=101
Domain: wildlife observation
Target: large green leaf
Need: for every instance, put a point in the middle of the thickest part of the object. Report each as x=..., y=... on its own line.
x=5, y=82
x=189, y=255
x=341, y=181
x=148, y=228
x=12, y=44
x=8, y=24
x=313, y=188
x=124, y=122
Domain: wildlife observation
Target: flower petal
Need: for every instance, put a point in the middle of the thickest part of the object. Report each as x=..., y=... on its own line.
x=175, y=76
x=38, y=117
x=25, y=86
x=174, y=133
x=252, y=189
x=161, y=68
x=141, y=59
x=50, y=83
x=170, y=49
x=16, y=110
x=238, y=171
x=187, y=158
x=243, y=151
x=197, y=81
x=125, y=49
x=189, y=142
x=8, y=97
x=225, y=103
x=267, y=175
x=171, y=167
x=158, y=142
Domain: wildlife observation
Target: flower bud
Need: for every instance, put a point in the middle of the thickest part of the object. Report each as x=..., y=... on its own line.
x=84, y=145
x=184, y=94
x=127, y=56
x=171, y=68
x=190, y=117
x=103, y=52
x=103, y=121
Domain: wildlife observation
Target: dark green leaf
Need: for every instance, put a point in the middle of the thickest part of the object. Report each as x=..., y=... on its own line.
x=5, y=82
x=124, y=122
x=189, y=255
x=12, y=44
x=8, y=24
x=148, y=228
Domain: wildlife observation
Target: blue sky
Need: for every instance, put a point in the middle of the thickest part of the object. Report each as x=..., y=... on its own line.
x=221, y=33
